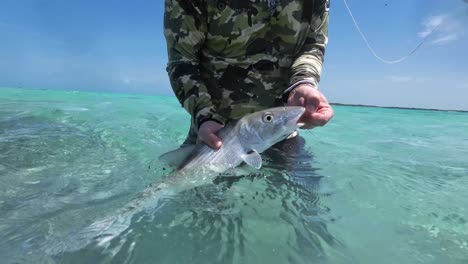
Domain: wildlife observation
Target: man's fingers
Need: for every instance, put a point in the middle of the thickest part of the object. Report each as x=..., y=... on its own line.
x=296, y=100
x=207, y=134
x=318, y=111
x=312, y=103
x=314, y=120
x=326, y=111
x=320, y=119
x=213, y=141
x=301, y=101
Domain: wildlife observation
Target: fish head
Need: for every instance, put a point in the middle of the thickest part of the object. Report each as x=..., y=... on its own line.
x=263, y=129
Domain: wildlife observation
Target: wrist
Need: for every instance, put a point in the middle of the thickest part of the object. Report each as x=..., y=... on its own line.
x=312, y=83
x=210, y=117
x=302, y=88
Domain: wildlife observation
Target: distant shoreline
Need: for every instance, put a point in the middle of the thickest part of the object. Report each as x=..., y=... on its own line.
x=403, y=108
x=145, y=94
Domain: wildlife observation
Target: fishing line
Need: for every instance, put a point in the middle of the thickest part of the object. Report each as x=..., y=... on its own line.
x=373, y=51
x=375, y=54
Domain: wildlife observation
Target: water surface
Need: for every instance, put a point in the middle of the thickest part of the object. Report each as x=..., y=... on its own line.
x=373, y=186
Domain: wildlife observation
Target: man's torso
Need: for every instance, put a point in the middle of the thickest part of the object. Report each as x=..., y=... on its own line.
x=249, y=48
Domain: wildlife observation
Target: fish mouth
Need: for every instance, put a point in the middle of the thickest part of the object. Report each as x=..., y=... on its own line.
x=294, y=114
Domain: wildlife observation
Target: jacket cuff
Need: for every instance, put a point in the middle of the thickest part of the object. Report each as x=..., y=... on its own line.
x=206, y=114
x=310, y=81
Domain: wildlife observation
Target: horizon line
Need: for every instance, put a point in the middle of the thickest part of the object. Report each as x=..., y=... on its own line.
x=151, y=94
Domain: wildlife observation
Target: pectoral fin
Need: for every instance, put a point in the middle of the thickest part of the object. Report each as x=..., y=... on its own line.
x=253, y=159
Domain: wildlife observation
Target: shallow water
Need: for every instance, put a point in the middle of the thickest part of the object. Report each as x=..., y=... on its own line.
x=373, y=186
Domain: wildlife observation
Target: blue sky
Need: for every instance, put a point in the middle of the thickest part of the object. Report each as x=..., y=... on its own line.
x=119, y=47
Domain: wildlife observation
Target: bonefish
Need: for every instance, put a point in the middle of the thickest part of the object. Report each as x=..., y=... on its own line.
x=197, y=165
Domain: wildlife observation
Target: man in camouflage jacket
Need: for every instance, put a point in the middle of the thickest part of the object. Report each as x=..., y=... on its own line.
x=228, y=58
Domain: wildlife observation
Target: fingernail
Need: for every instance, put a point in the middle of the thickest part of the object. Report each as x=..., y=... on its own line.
x=311, y=108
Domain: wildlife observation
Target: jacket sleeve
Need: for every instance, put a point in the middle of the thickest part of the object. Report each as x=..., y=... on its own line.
x=307, y=66
x=185, y=31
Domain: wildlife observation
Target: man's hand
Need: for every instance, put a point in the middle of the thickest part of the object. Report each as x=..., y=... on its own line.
x=206, y=133
x=318, y=110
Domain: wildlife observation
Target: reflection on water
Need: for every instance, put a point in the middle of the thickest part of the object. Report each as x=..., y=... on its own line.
x=301, y=205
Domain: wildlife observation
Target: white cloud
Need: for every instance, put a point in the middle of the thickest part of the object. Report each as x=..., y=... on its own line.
x=444, y=29
x=445, y=39
x=430, y=24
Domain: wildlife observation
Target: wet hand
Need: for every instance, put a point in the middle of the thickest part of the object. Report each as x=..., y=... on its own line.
x=207, y=134
x=318, y=110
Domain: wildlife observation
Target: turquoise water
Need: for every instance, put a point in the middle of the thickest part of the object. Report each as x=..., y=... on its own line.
x=373, y=186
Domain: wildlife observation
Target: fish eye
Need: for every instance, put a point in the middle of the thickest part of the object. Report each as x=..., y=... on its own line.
x=268, y=118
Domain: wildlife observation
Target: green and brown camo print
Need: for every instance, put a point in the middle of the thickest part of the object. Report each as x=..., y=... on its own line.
x=228, y=58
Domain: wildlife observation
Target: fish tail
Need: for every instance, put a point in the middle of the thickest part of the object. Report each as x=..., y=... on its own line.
x=102, y=232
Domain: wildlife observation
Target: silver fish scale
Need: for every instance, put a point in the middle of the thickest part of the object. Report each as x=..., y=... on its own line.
x=228, y=156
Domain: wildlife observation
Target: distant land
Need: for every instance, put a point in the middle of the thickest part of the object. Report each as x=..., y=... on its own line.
x=151, y=94
x=405, y=108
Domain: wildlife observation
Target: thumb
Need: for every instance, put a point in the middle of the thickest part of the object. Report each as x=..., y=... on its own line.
x=212, y=140
x=207, y=134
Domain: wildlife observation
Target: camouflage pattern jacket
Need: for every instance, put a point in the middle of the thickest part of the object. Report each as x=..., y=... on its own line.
x=228, y=58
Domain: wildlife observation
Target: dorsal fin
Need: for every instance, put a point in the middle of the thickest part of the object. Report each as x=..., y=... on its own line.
x=177, y=157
